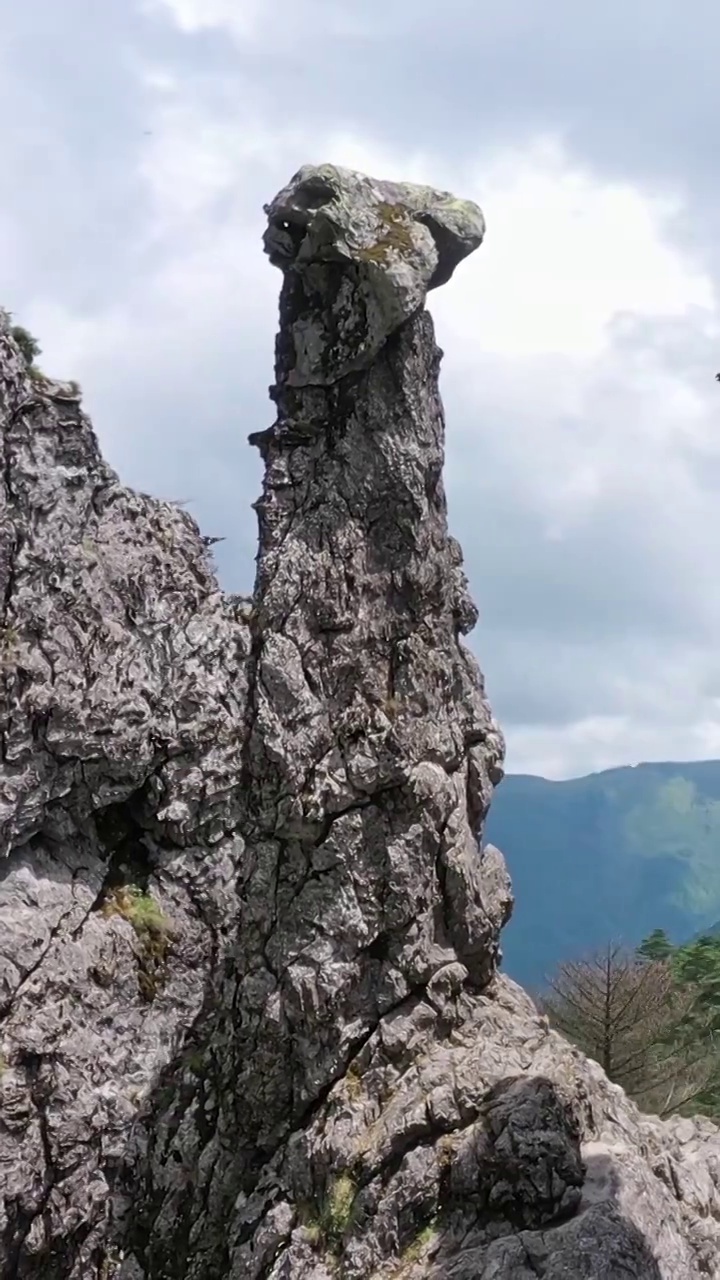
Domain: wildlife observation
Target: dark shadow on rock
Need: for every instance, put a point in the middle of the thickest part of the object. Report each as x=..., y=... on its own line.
x=520, y=1202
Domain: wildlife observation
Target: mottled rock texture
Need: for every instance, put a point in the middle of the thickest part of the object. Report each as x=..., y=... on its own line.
x=253, y=1026
x=122, y=704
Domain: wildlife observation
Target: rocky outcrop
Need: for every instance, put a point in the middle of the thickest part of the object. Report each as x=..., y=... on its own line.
x=254, y=1028
x=123, y=694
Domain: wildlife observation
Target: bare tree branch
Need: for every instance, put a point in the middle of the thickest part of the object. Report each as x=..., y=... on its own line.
x=652, y=1034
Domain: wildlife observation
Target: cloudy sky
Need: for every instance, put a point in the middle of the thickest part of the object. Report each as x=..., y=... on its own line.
x=138, y=142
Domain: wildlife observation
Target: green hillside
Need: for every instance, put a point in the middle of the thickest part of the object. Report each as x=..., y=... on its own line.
x=613, y=855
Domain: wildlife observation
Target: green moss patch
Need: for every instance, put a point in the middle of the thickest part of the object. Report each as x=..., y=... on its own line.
x=152, y=929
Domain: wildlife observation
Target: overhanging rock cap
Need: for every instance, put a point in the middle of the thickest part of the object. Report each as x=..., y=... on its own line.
x=398, y=241
x=326, y=212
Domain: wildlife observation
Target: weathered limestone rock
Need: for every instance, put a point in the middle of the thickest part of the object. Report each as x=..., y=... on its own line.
x=122, y=703
x=389, y=244
x=308, y=1067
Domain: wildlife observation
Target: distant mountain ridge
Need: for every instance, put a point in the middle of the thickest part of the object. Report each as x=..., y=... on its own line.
x=610, y=855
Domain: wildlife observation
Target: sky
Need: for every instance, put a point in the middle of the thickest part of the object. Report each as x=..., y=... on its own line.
x=139, y=140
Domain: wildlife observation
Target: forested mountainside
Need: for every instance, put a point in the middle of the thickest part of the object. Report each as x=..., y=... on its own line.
x=612, y=855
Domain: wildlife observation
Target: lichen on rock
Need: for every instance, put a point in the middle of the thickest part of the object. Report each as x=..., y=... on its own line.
x=389, y=242
x=334, y=1079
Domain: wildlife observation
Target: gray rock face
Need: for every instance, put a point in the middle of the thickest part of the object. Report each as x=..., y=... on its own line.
x=122, y=704
x=253, y=1026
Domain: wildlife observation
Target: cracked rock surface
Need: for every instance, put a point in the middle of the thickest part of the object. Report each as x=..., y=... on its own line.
x=122, y=704
x=253, y=1027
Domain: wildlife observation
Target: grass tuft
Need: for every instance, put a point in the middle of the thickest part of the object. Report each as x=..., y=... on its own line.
x=152, y=929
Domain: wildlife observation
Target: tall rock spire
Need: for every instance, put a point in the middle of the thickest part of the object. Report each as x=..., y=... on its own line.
x=372, y=752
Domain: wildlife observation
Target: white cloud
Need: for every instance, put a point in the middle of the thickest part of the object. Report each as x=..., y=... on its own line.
x=246, y=20
x=595, y=743
x=537, y=325
x=239, y=16
x=566, y=254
